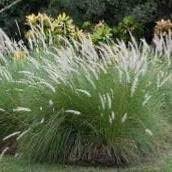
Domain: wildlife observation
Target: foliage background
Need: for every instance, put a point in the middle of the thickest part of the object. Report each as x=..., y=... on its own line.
x=111, y=11
x=17, y=13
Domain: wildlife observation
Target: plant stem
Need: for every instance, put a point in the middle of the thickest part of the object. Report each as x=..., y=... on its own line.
x=9, y=6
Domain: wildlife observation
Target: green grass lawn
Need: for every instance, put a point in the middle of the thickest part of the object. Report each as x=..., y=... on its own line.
x=9, y=164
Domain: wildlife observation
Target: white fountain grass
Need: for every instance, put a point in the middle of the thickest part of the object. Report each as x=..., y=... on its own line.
x=10, y=90
x=107, y=102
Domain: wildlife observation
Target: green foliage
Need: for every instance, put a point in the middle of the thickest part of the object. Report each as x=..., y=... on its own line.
x=17, y=14
x=101, y=33
x=112, y=11
x=87, y=110
x=42, y=25
x=127, y=27
x=5, y=2
x=145, y=13
x=11, y=98
x=63, y=26
x=83, y=134
x=87, y=26
x=76, y=104
x=8, y=119
x=96, y=10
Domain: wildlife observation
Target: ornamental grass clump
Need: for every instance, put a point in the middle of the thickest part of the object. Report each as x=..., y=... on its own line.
x=95, y=105
x=12, y=110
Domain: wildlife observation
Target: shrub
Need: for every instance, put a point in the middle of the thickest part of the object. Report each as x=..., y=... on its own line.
x=101, y=33
x=63, y=26
x=145, y=12
x=87, y=26
x=84, y=109
x=17, y=14
x=163, y=27
x=51, y=28
x=127, y=27
x=111, y=11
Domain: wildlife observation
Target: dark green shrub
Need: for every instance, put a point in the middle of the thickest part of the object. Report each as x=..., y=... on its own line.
x=87, y=26
x=127, y=27
x=145, y=13
x=17, y=14
x=111, y=11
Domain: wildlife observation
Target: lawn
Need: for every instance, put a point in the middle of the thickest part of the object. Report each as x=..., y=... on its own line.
x=9, y=164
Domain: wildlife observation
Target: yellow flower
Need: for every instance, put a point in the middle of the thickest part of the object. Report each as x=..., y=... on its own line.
x=45, y=20
x=30, y=34
x=31, y=19
x=19, y=55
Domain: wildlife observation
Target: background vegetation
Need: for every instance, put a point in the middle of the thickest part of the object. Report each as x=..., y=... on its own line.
x=111, y=11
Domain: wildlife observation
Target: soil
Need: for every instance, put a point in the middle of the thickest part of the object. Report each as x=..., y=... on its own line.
x=11, y=144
